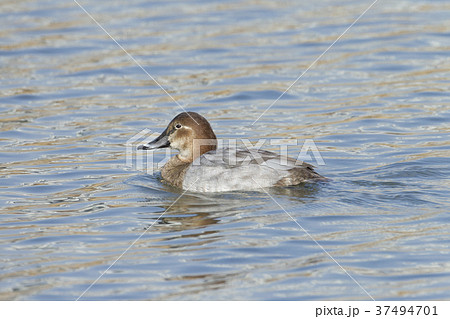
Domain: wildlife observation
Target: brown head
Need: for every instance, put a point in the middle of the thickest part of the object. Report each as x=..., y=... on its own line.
x=188, y=132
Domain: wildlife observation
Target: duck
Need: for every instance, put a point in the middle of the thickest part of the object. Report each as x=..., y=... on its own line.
x=200, y=166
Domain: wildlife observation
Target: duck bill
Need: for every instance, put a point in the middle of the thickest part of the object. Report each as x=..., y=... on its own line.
x=161, y=141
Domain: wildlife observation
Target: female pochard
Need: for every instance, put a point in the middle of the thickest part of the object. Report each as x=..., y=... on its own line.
x=202, y=167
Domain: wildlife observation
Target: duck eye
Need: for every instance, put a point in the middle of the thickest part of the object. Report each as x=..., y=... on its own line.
x=178, y=126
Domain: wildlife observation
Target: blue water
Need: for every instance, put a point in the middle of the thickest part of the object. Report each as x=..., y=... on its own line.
x=376, y=105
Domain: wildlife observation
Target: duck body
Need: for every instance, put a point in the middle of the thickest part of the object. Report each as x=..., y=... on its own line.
x=201, y=167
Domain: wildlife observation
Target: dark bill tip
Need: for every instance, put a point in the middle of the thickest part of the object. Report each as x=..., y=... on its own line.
x=161, y=141
x=142, y=147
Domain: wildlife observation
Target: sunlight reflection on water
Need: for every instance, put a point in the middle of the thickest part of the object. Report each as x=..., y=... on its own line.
x=376, y=106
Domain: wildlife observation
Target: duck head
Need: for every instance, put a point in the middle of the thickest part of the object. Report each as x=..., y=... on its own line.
x=188, y=132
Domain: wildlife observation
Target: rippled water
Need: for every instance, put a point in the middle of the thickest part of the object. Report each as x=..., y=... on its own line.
x=376, y=105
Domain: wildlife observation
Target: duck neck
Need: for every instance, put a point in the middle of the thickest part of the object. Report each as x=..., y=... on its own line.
x=199, y=147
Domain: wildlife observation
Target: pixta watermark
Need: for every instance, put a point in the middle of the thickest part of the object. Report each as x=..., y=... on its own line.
x=232, y=152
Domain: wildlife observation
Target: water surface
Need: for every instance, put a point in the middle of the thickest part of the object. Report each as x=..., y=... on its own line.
x=376, y=105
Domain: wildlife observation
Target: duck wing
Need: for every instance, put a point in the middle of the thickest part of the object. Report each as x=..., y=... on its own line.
x=230, y=169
